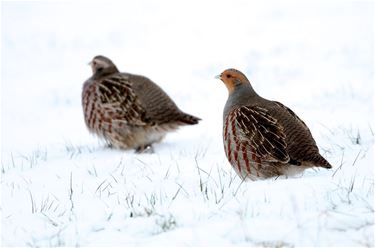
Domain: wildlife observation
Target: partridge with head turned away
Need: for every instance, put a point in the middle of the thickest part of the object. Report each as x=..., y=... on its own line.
x=264, y=138
x=128, y=111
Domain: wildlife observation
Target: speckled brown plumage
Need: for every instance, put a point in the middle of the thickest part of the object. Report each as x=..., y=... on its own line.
x=128, y=111
x=264, y=138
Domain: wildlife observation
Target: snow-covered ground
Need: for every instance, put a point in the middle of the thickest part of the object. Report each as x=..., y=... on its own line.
x=61, y=186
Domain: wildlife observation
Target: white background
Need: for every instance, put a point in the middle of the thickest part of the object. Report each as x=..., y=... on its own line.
x=61, y=186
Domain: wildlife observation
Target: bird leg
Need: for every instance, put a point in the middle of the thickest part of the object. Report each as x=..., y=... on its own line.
x=109, y=145
x=144, y=149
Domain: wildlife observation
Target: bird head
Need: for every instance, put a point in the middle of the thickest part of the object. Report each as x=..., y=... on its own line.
x=102, y=65
x=232, y=79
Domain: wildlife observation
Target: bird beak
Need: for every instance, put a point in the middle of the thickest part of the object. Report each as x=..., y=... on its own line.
x=89, y=63
x=218, y=76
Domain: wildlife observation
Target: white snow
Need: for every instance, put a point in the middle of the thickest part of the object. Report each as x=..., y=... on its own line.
x=62, y=187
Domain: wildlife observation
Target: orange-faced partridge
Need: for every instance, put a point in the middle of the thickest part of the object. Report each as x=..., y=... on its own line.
x=128, y=111
x=264, y=138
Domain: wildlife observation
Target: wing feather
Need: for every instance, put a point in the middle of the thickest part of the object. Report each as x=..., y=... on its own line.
x=262, y=132
x=120, y=101
x=291, y=112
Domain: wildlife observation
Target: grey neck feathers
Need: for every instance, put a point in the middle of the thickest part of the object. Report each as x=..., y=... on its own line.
x=242, y=94
x=102, y=72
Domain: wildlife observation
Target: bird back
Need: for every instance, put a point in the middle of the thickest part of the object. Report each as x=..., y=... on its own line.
x=160, y=108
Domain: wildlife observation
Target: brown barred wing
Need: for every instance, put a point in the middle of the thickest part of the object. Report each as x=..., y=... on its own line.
x=161, y=109
x=291, y=112
x=119, y=101
x=301, y=144
x=258, y=129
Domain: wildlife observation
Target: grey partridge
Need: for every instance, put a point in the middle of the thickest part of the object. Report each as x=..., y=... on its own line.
x=128, y=111
x=264, y=138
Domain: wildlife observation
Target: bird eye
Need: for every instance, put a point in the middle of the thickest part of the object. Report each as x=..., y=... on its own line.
x=229, y=76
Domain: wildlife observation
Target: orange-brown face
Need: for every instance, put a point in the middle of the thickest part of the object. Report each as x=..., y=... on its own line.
x=232, y=78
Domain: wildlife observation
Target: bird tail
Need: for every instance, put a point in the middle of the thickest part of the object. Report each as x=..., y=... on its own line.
x=322, y=162
x=187, y=119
